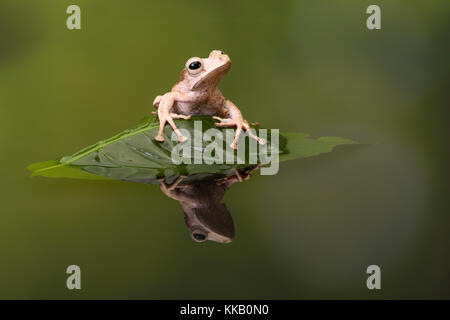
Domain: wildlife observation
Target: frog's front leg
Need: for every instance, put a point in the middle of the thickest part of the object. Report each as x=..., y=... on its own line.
x=236, y=119
x=165, y=105
x=175, y=191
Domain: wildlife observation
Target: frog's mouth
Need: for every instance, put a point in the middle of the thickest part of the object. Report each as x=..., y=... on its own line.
x=215, y=75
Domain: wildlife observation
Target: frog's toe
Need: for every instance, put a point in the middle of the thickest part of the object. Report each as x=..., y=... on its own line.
x=180, y=116
x=239, y=175
x=225, y=123
x=182, y=139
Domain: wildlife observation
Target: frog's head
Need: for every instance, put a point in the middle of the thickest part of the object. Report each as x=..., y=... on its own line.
x=212, y=222
x=200, y=74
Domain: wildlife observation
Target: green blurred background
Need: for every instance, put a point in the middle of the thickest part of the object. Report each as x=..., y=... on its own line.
x=306, y=66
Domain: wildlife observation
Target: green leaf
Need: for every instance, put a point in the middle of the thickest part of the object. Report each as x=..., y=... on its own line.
x=54, y=169
x=134, y=155
x=301, y=146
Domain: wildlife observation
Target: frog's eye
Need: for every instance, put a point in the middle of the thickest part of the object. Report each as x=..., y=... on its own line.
x=194, y=65
x=198, y=235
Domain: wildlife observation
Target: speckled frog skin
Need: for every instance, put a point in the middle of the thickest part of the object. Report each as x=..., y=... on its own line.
x=197, y=93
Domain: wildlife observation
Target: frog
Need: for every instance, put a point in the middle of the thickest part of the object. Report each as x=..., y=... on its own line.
x=206, y=217
x=197, y=93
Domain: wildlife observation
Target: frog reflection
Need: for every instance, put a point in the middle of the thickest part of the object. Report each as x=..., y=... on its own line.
x=206, y=217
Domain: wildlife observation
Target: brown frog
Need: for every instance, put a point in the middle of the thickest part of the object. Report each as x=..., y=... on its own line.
x=197, y=93
x=204, y=213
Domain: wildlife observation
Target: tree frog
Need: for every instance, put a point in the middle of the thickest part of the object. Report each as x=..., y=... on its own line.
x=206, y=217
x=197, y=93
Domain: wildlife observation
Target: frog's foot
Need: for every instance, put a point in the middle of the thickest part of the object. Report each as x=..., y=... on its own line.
x=173, y=185
x=237, y=177
x=241, y=176
x=240, y=125
x=162, y=183
x=254, y=169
